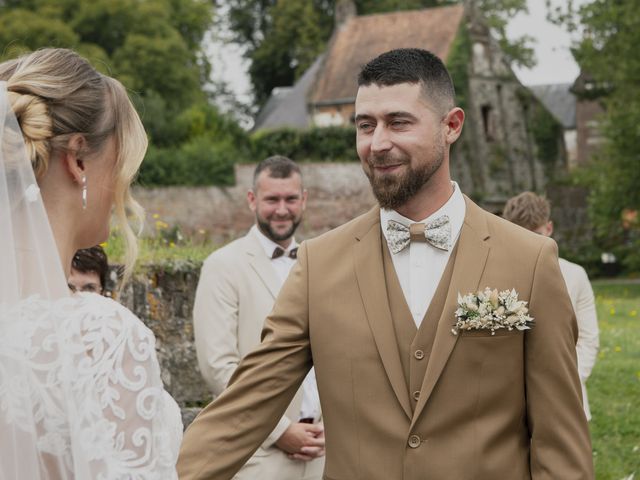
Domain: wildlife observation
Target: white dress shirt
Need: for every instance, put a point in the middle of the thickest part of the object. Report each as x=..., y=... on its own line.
x=420, y=265
x=310, y=407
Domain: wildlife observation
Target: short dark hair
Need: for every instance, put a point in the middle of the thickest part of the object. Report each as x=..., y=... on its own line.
x=92, y=260
x=277, y=166
x=411, y=65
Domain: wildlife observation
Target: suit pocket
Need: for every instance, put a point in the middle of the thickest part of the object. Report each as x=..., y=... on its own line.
x=502, y=332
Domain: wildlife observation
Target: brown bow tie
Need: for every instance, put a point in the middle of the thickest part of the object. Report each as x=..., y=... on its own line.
x=279, y=252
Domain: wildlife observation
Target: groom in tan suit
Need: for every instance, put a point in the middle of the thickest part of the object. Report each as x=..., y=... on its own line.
x=238, y=285
x=404, y=394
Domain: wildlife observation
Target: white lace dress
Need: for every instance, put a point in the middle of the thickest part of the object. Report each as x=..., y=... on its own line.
x=80, y=381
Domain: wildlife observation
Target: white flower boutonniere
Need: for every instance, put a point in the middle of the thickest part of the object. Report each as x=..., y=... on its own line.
x=491, y=310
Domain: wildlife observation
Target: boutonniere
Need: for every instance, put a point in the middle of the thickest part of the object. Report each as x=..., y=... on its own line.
x=491, y=310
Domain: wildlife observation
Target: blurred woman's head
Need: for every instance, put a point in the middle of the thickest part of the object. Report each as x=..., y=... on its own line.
x=79, y=122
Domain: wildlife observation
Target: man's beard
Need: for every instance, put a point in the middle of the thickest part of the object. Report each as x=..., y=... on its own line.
x=394, y=190
x=265, y=227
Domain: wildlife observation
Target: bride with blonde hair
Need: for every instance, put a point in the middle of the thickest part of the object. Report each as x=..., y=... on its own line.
x=80, y=389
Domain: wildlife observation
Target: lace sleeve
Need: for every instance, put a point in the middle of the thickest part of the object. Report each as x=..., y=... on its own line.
x=143, y=421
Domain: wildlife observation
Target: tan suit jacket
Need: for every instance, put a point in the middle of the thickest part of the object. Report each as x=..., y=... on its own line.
x=236, y=291
x=506, y=406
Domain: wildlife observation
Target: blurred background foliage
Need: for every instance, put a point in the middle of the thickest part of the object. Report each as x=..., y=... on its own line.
x=157, y=49
x=608, y=34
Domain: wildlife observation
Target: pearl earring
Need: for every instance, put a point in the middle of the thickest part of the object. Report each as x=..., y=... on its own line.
x=84, y=192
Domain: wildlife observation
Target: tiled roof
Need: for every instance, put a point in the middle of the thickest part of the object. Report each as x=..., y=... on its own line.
x=559, y=100
x=287, y=106
x=362, y=38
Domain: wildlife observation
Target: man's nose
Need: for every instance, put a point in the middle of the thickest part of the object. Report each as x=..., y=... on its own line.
x=281, y=208
x=380, y=141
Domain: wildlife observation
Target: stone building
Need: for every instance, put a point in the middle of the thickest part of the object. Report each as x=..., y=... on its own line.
x=589, y=110
x=510, y=142
x=561, y=102
x=578, y=108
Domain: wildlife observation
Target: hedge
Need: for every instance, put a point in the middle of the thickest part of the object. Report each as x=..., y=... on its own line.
x=205, y=161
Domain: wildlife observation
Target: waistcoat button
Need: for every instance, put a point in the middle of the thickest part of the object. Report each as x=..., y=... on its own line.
x=414, y=441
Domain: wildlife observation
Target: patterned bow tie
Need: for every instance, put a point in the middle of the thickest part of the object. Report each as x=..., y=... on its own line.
x=279, y=252
x=437, y=233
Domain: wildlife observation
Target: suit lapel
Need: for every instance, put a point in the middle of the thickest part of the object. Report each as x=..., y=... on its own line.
x=470, y=261
x=371, y=283
x=261, y=264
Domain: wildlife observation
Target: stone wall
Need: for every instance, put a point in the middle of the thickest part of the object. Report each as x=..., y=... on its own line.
x=163, y=300
x=338, y=192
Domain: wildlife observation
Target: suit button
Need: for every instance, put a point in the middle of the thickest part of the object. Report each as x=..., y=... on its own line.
x=416, y=395
x=419, y=354
x=414, y=441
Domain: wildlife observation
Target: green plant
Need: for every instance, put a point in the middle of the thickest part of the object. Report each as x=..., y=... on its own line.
x=199, y=161
x=326, y=144
x=458, y=63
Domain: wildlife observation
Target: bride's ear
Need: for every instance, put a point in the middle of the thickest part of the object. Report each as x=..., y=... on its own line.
x=72, y=157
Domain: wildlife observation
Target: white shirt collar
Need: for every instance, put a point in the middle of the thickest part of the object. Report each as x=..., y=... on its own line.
x=269, y=245
x=454, y=208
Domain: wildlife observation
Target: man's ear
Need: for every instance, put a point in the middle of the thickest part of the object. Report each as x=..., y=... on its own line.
x=251, y=200
x=453, y=122
x=72, y=157
x=304, y=199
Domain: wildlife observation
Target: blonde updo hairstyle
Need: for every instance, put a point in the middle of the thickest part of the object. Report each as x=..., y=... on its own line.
x=55, y=94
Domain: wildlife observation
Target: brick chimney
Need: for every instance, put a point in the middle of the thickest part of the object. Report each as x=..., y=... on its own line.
x=344, y=10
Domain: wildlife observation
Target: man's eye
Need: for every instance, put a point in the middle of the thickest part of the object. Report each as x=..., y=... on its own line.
x=399, y=123
x=365, y=127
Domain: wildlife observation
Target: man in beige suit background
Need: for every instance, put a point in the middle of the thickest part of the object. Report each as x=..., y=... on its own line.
x=371, y=305
x=533, y=212
x=238, y=285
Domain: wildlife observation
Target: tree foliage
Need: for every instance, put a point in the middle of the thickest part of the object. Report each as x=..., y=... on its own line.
x=283, y=37
x=154, y=48
x=607, y=52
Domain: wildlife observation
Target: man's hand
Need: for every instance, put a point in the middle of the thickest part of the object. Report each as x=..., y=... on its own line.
x=302, y=441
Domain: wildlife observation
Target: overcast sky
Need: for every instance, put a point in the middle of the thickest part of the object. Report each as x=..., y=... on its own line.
x=555, y=62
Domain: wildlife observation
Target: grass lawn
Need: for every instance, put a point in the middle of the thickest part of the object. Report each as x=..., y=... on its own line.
x=614, y=385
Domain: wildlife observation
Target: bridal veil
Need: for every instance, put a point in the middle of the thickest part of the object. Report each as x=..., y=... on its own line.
x=80, y=389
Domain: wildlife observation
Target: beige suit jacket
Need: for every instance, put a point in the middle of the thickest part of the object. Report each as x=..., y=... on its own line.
x=506, y=406
x=236, y=291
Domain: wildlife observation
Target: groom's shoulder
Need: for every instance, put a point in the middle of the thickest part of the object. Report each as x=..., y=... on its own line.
x=512, y=237
x=349, y=231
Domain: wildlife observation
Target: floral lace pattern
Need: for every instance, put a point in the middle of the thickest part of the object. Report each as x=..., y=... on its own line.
x=80, y=376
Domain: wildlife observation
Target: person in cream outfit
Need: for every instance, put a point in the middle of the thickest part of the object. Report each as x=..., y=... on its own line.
x=372, y=306
x=533, y=212
x=236, y=291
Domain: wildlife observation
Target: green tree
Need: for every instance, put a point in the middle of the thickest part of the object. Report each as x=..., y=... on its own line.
x=153, y=46
x=295, y=36
x=607, y=51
